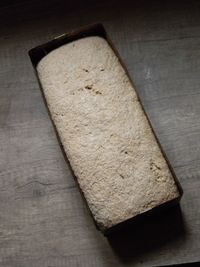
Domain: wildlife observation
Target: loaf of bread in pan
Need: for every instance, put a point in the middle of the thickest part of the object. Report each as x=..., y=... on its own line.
x=104, y=131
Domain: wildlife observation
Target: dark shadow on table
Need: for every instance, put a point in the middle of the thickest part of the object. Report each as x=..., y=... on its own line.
x=148, y=234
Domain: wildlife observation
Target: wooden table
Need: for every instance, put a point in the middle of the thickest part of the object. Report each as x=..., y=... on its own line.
x=43, y=220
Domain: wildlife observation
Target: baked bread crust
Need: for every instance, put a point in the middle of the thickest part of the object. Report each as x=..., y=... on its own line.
x=104, y=132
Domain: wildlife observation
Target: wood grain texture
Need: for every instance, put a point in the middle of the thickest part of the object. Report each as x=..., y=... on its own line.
x=43, y=220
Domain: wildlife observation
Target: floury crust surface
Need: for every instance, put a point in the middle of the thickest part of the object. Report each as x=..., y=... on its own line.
x=104, y=131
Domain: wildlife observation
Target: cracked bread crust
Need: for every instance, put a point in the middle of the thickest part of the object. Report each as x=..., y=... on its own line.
x=104, y=131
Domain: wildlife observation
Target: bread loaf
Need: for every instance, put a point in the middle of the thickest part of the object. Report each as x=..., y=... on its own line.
x=104, y=131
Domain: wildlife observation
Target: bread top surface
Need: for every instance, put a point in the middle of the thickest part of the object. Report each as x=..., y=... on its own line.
x=104, y=131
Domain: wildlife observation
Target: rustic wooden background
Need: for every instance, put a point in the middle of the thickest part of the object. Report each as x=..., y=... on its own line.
x=43, y=220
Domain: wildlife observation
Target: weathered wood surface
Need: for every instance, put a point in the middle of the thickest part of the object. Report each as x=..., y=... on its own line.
x=43, y=220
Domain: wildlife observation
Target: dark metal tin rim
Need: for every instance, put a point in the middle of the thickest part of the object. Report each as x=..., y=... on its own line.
x=37, y=53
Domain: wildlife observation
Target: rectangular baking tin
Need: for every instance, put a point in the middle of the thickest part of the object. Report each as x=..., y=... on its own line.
x=37, y=53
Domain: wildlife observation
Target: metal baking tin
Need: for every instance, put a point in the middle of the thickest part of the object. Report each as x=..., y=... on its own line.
x=37, y=53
